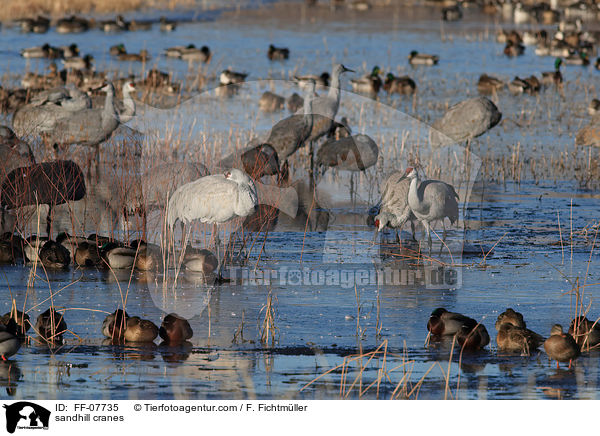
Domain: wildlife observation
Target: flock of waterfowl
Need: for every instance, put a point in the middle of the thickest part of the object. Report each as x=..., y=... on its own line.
x=513, y=335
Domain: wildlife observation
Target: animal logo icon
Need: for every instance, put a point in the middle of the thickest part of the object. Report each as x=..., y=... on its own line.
x=25, y=414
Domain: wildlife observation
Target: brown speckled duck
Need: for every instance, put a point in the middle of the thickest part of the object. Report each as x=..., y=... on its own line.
x=561, y=346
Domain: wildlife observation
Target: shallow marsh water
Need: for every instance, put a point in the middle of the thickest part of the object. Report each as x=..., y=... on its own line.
x=319, y=324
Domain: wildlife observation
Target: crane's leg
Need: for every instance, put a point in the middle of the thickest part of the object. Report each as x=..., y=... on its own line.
x=428, y=231
x=412, y=228
x=311, y=170
x=49, y=222
x=352, y=188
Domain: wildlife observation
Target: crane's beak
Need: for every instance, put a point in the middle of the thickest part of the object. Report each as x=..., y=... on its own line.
x=347, y=69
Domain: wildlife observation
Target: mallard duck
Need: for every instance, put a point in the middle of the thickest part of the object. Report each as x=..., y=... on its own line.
x=117, y=257
x=72, y=24
x=87, y=254
x=193, y=54
x=553, y=77
x=400, y=85
x=167, y=25
x=580, y=58
x=51, y=325
x=20, y=319
x=511, y=49
x=6, y=252
x=472, y=336
x=77, y=63
x=9, y=341
x=533, y=85
x=140, y=330
x=594, y=106
x=70, y=242
x=321, y=81
x=142, y=56
x=278, y=53
x=369, y=84
x=116, y=50
x=229, y=77
x=114, y=324
x=32, y=247
x=54, y=256
x=452, y=13
x=504, y=36
x=35, y=25
x=561, y=346
x=444, y=323
x=489, y=85
x=69, y=51
x=517, y=86
x=203, y=261
x=585, y=332
x=117, y=25
x=416, y=58
x=147, y=258
x=517, y=339
x=37, y=52
x=270, y=102
x=175, y=329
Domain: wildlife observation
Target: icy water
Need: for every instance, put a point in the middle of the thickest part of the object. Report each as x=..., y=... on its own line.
x=330, y=296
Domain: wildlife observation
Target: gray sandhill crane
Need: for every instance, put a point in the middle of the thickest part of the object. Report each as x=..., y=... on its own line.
x=83, y=126
x=394, y=210
x=464, y=121
x=431, y=200
x=213, y=199
x=50, y=183
x=289, y=134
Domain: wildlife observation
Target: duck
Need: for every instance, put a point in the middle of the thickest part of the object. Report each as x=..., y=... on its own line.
x=561, y=346
x=504, y=36
x=294, y=102
x=553, y=77
x=533, y=85
x=368, y=84
x=512, y=49
x=118, y=257
x=69, y=51
x=37, y=52
x=78, y=63
x=175, y=329
x=135, y=25
x=452, y=13
x=147, y=258
x=87, y=254
x=142, y=56
x=416, y=58
x=403, y=85
x=140, y=330
x=9, y=340
x=444, y=323
x=270, y=102
x=54, y=256
x=594, y=107
x=517, y=339
x=512, y=317
x=278, y=53
x=116, y=50
x=203, y=261
x=585, y=332
x=518, y=86
x=20, y=319
x=489, y=85
x=117, y=25
x=72, y=24
x=11, y=247
x=321, y=81
x=114, y=324
x=229, y=77
x=167, y=25
x=32, y=246
x=193, y=54
x=472, y=336
x=70, y=242
x=36, y=25
x=579, y=58
x=51, y=325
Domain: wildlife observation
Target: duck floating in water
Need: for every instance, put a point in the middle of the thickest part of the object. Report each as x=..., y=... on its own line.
x=416, y=58
x=114, y=325
x=140, y=330
x=369, y=84
x=51, y=326
x=403, y=85
x=278, y=53
x=175, y=329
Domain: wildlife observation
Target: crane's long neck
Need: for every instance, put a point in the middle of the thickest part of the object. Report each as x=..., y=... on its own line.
x=334, y=93
x=129, y=110
x=413, y=194
x=308, y=105
x=109, y=111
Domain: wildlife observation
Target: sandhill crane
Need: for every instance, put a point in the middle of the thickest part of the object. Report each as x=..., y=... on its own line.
x=50, y=183
x=464, y=121
x=213, y=199
x=289, y=134
x=394, y=210
x=83, y=126
x=431, y=200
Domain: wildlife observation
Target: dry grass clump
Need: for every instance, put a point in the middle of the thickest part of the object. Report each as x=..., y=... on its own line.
x=56, y=8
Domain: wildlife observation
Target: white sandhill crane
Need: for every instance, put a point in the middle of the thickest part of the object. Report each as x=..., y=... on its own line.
x=213, y=199
x=394, y=210
x=464, y=121
x=431, y=200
